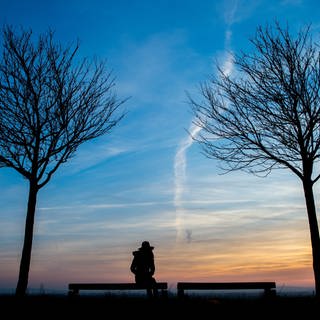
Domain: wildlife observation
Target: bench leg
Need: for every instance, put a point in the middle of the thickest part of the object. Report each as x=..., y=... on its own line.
x=180, y=293
x=269, y=293
x=73, y=293
x=164, y=293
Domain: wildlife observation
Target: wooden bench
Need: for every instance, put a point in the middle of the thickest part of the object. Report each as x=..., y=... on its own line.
x=74, y=288
x=268, y=287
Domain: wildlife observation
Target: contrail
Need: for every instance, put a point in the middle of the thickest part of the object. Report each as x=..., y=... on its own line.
x=180, y=165
x=180, y=160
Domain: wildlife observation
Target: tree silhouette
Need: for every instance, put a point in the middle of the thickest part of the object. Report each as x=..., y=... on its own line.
x=266, y=115
x=50, y=103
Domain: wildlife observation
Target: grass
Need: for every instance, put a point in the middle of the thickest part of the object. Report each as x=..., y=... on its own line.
x=137, y=307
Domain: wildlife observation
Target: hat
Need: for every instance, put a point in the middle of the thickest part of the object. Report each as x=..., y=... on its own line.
x=146, y=245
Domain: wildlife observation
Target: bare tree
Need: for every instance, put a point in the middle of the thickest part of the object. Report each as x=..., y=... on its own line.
x=50, y=104
x=266, y=115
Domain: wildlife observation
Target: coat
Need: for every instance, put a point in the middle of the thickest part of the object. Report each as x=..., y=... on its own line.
x=142, y=265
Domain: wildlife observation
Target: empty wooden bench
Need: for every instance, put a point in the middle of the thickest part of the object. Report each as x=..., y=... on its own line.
x=268, y=287
x=74, y=288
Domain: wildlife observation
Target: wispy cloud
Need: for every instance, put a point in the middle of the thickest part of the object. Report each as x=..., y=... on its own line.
x=236, y=11
x=154, y=64
x=230, y=16
x=228, y=64
x=230, y=12
x=91, y=154
x=103, y=206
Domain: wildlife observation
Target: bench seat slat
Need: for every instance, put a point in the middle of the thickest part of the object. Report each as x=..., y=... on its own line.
x=225, y=285
x=112, y=286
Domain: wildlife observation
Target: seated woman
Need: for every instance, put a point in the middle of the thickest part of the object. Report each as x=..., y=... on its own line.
x=143, y=268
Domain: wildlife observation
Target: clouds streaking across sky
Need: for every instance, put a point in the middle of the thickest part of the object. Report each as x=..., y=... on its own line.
x=148, y=180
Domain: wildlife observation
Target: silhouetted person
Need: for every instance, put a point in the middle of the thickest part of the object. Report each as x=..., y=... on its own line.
x=143, y=268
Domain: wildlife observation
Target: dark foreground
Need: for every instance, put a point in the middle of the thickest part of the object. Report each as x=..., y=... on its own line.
x=108, y=307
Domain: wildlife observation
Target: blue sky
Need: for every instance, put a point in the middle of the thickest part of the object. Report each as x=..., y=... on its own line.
x=147, y=180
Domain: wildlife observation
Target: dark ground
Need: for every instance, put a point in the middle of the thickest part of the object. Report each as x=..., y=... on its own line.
x=109, y=307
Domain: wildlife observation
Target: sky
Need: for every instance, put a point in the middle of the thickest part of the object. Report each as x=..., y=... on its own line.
x=147, y=179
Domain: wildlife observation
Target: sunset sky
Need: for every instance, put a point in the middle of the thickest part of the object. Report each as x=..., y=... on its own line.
x=147, y=179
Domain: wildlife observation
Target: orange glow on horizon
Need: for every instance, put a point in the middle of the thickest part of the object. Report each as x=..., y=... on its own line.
x=287, y=266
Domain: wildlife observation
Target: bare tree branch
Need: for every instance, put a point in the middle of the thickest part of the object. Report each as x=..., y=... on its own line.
x=49, y=104
x=268, y=118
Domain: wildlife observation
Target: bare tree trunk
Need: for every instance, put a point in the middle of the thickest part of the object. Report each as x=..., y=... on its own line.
x=314, y=232
x=27, y=245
